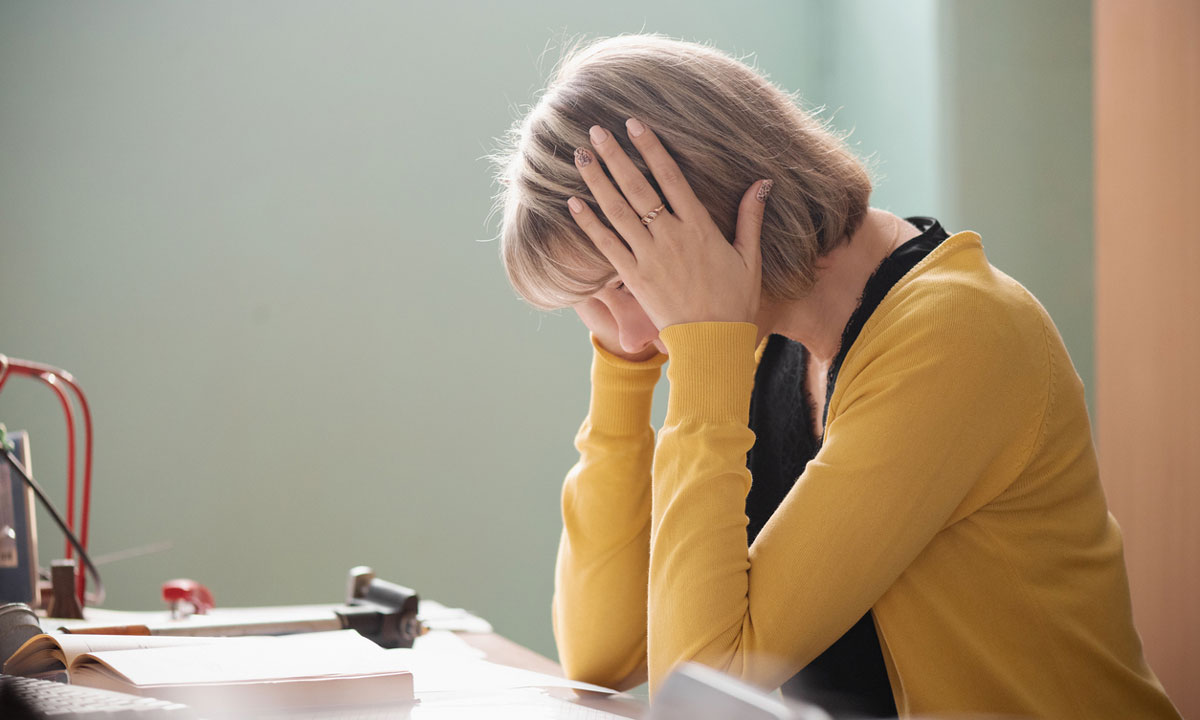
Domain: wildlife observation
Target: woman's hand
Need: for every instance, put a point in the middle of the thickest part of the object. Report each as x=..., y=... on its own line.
x=597, y=317
x=679, y=266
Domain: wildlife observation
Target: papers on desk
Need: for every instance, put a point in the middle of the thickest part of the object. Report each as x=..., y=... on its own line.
x=452, y=682
x=449, y=678
x=49, y=656
x=525, y=704
x=439, y=659
x=230, y=676
x=437, y=616
x=240, y=660
x=441, y=662
x=444, y=674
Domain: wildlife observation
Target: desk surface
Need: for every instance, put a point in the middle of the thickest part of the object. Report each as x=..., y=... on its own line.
x=500, y=649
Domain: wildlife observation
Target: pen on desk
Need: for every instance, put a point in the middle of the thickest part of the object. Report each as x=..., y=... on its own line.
x=113, y=630
x=317, y=623
x=232, y=629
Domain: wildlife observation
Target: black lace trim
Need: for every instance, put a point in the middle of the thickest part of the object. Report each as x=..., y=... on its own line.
x=893, y=268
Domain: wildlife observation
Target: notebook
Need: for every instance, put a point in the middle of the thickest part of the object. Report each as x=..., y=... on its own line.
x=228, y=676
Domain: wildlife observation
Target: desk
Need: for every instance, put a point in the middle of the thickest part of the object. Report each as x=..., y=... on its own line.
x=500, y=649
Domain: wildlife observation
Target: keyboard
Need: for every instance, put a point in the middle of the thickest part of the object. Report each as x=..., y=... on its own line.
x=23, y=698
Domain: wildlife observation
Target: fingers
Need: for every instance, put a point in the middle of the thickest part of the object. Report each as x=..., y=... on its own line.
x=623, y=218
x=618, y=255
x=684, y=202
x=638, y=192
x=748, y=231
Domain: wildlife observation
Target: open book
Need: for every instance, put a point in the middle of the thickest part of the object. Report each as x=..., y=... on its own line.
x=227, y=676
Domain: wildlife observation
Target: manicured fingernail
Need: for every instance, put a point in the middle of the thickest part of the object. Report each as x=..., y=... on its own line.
x=764, y=190
x=576, y=205
x=583, y=157
x=598, y=134
x=635, y=127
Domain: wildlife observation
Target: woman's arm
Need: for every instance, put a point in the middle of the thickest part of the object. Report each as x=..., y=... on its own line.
x=599, y=608
x=925, y=412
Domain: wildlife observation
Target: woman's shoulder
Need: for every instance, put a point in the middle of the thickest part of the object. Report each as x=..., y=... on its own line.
x=957, y=293
x=956, y=311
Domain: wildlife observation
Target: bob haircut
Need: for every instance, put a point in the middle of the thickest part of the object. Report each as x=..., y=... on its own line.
x=725, y=125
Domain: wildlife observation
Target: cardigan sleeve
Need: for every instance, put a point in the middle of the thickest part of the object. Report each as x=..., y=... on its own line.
x=927, y=409
x=599, y=605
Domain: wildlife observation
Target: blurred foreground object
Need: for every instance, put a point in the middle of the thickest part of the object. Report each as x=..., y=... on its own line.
x=1147, y=163
x=697, y=692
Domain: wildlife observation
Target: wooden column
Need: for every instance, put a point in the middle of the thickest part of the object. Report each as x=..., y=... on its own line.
x=1147, y=134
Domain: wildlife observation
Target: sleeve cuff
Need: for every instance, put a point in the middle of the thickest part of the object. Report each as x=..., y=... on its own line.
x=712, y=371
x=615, y=361
x=622, y=391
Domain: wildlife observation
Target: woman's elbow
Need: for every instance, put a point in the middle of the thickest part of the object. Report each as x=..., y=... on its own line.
x=617, y=673
x=591, y=656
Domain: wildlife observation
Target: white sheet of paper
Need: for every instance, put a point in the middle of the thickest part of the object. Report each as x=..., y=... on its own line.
x=527, y=704
x=437, y=616
x=75, y=645
x=444, y=642
x=448, y=672
x=341, y=652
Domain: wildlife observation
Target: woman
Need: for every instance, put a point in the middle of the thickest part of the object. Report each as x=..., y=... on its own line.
x=923, y=470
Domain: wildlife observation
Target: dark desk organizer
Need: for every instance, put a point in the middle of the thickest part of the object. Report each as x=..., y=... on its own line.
x=380, y=610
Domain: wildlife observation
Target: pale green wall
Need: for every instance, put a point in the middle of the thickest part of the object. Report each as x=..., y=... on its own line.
x=979, y=112
x=252, y=230
x=1017, y=113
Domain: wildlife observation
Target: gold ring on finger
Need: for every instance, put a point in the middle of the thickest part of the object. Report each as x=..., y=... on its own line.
x=649, y=217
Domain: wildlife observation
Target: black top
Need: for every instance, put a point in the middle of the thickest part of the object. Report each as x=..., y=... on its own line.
x=849, y=679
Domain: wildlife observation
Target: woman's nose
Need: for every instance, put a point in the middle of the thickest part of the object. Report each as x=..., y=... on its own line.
x=635, y=336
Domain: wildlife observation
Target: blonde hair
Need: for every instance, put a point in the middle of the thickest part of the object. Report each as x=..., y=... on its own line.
x=725, y=125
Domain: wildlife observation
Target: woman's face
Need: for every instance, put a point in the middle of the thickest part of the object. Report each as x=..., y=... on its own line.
x=634, y=330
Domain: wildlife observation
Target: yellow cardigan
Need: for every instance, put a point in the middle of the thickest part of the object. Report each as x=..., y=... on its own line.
x=956, y=494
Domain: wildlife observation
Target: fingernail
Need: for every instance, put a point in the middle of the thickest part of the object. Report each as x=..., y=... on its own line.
x=635, y=127
x=576, y=206
x=764, y=190
x=598, y=134
x=583, y=158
